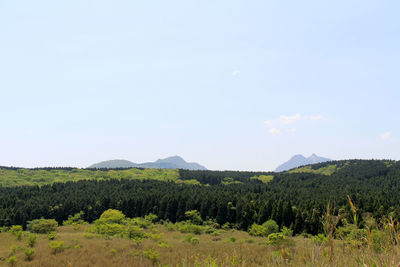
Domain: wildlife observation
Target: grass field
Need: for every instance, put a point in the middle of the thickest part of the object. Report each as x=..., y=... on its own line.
x=168, y=248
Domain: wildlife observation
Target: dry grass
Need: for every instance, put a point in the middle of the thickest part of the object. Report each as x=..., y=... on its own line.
x=211, y=251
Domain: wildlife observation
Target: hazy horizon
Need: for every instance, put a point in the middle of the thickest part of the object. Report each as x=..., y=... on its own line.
x=231, y=85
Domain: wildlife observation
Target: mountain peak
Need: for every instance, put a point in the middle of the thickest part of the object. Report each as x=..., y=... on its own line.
x=299, y=160
x=174, y=162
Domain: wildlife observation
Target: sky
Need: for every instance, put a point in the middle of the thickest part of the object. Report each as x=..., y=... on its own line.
x=238, y=85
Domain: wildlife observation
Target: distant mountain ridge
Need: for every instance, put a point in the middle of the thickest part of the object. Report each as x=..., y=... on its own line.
x=300, y=160
x=174, y=162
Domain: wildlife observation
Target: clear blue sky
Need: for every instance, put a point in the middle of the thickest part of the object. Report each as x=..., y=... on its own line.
x=240, y=85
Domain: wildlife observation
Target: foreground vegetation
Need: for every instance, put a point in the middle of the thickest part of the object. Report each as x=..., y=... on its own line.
x=333, y=213
x=114, y=240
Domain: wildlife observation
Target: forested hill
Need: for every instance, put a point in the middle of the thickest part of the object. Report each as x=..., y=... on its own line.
x=296, y=199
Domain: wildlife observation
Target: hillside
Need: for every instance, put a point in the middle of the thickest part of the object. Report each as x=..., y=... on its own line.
x=300, y=160
x=174, y=162
x=295, y=199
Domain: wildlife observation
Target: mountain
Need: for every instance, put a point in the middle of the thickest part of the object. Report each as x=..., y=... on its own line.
x=300, y=160
x=174, y=162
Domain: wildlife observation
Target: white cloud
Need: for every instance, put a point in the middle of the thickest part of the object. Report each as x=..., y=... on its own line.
x=289, y=119
x=274, y=131
x=282, y=123
x=385, y=136
x=235, y=72
x=269, y=122
x=314, y=117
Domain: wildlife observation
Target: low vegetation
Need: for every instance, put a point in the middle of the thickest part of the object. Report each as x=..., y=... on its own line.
x=333, y=214
x=115, y=240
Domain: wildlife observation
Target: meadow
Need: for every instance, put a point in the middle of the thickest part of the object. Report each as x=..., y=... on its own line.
x=115, y=240
x=330, y=214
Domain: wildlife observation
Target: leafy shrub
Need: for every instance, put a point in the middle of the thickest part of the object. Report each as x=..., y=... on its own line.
x=193, y=217
x=134, y=231
x=90, y=236
x=152, y=255
x=279, y=240
x=170, y=227
x=12, y=260
x=4, y=229
x=111, y=216
x=271, y=226
x=156, y=237
x=18, y=235
x=353, y=236
x=31, y=240
x=189, y=228
x=287, y=232
x=52, y=235
x=56, y=246
x=141, y=222
x=265, y=229
x=29, y=254
x=194, y=241
x=137, y=241
x=320, y=239
x=42, y=226
x=188, y=238
x=109, y=229
x=75, y=220
x=13, y=249
x=15, y=229
x=163, y=244
x=226, y=226
x=151, y=218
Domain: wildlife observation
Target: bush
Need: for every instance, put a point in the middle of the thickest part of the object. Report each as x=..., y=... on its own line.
x=194, y=241
x=271, y=227
x=226, y=226
x=15, y=229
x=31, y=240
x=137, y=241
x=142, y=223
x=29, y=254
x=109, y=229
x=112, y=216
x=42, y=226
x=265, y=229
x=52, y=235
x=75, y=220
x=320, y=239
x=163, y=244
x=189, y=228
x=193, y=217
x=12, y=260
x=134, y=231
x=275, y=238
x=151, y=218
x=18, y=235
x=152, y=255
x=56, y=246
x=287, y=232
x=353, y=236
x=188, y=238
x=170, y=227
